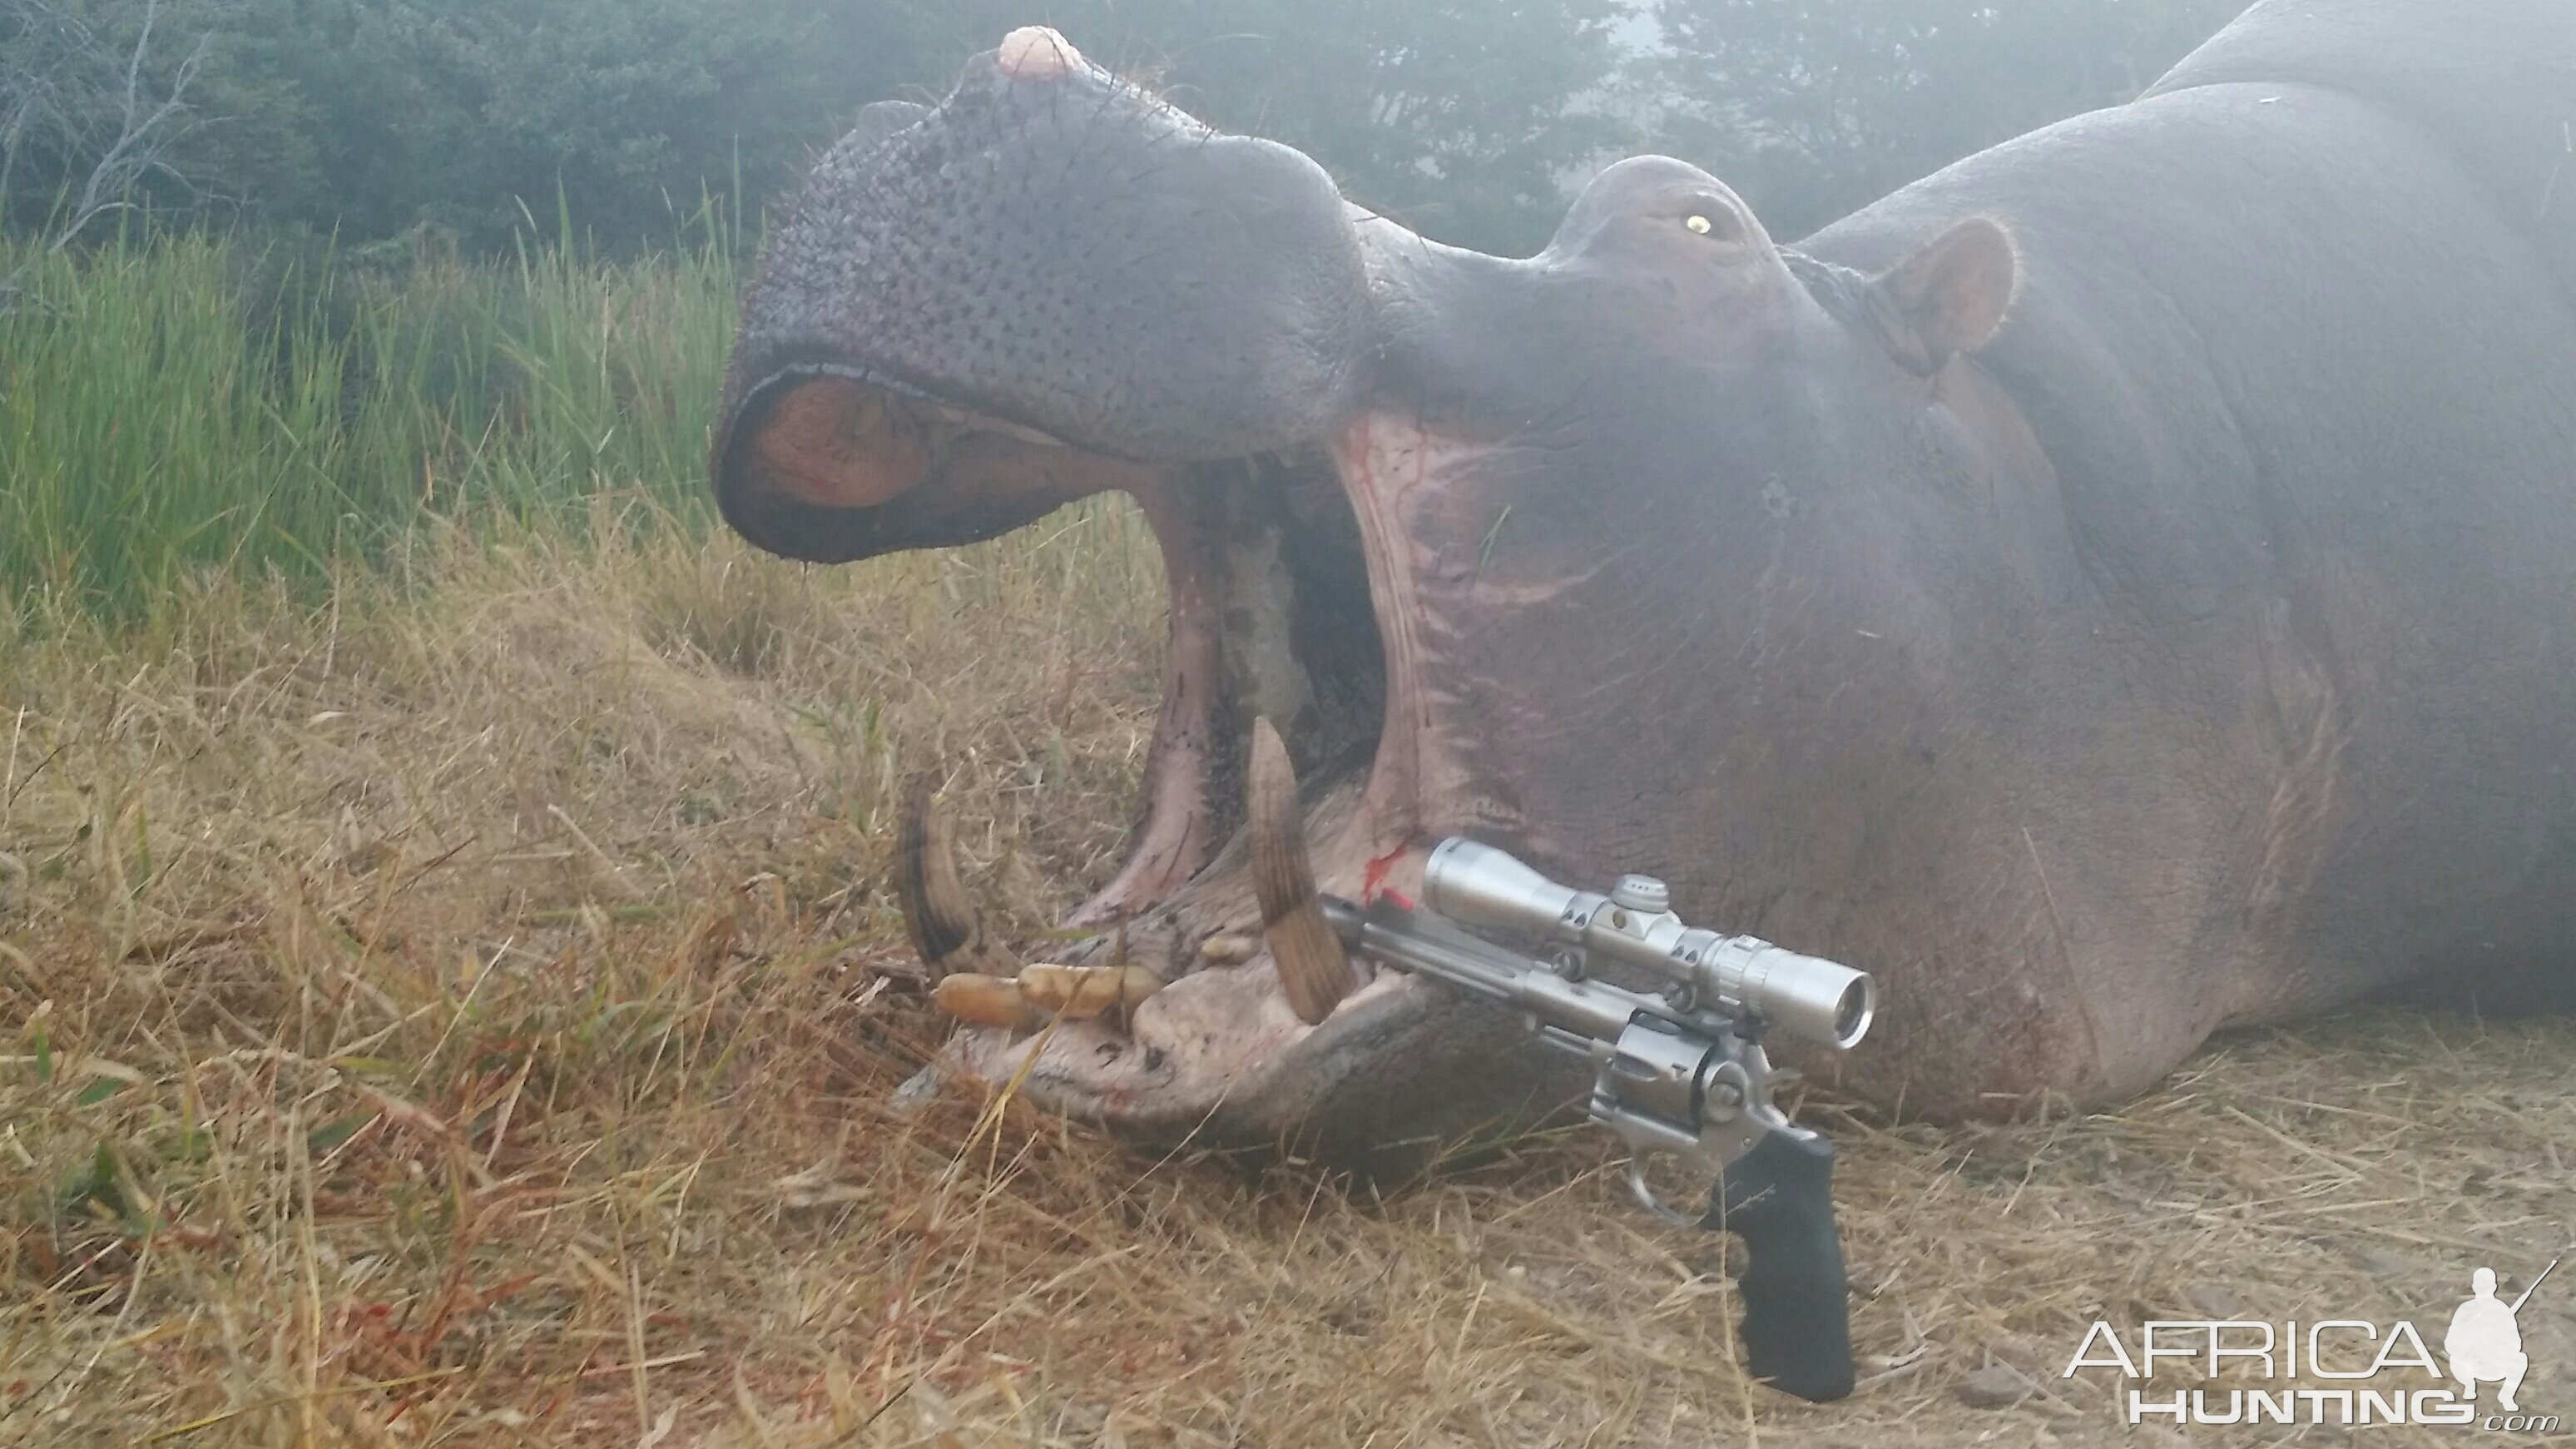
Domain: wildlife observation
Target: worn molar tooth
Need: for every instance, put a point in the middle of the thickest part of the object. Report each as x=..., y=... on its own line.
x=1080, y=993
x=1228, y=949
x=1312, y=965
x=986, y=1001
x=1036, y=52
x=944, y=925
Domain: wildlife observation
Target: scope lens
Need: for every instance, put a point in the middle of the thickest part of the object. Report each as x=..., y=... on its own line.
x=1852, y=1013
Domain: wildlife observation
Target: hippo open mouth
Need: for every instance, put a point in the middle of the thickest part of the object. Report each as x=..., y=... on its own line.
x=2032, y=588
x=886, y=409
x=1272, y=560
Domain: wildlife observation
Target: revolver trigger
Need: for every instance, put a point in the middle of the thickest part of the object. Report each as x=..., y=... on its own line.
x=1645, y=1195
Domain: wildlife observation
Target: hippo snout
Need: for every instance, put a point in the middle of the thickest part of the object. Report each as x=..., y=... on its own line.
x=1051, y=256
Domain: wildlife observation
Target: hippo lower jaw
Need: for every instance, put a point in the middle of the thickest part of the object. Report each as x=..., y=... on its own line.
x=1287, y=575
x=1199, y=1064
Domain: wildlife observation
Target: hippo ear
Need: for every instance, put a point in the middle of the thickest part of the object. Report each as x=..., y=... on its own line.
x=1950, y=296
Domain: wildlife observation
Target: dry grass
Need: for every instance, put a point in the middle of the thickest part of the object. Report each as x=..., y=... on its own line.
x=467, y=1012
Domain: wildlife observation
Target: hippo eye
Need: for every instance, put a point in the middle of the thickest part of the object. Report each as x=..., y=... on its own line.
x=1697, y=223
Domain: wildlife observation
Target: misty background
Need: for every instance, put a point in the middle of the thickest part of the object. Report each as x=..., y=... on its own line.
x=288, y=286
x=468, y=124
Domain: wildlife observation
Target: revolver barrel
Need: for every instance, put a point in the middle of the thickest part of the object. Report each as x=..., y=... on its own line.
x=1580, y=1013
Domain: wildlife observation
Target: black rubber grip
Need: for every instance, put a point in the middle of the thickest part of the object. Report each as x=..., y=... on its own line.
x=1797, y=1305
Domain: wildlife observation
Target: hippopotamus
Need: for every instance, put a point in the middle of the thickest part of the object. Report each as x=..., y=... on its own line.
x=2117, y=587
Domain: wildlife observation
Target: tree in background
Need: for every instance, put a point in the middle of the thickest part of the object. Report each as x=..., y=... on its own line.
x=366, y=119
x=1813, y=108
x=474, y=115
x=97, y=102
x=1461, y=118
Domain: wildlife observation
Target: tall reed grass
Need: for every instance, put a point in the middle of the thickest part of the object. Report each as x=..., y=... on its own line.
x=198, y=403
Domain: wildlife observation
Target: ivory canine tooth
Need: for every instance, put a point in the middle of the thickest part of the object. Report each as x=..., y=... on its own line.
x=1083, y=992
x=1312, y=965
x=986, y=1001
x=945, y=928
x=1228, y=949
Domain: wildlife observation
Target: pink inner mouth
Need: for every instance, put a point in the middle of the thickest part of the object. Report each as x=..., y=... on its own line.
x=1179, y=832
x=1226, y=658
x=1219, y=1031
x=1393, y=467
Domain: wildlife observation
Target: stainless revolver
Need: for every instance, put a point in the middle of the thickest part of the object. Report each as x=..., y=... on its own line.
x=1678, y=1071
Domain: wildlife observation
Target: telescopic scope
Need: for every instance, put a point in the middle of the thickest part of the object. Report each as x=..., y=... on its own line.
x=1811, y=997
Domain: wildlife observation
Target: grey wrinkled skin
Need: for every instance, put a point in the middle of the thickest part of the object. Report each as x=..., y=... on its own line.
x=2119, y=586
x=1041, y=278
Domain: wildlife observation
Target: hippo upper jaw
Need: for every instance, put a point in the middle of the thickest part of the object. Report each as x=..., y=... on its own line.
x=1051, y=256
x=825, y=459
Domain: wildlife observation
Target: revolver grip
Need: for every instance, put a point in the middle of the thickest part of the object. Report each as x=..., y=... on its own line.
x=1797, y=1311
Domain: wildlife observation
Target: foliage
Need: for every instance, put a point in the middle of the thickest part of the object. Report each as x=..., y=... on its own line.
x=369, y=118
x=467, y=1011
x=97, y=101
x=1813, y=108
x=1461, y=118
x=192, y=403
x=467, y=114
x=464, y=114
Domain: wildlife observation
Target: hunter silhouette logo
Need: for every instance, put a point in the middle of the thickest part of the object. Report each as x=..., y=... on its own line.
x=2324, y=1370
x=2485, y=1340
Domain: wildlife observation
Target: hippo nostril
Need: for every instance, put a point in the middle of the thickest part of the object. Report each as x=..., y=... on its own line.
x=1036, y=52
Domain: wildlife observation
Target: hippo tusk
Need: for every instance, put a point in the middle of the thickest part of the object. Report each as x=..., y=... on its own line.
x=1228, y=949
x=1081, y=993
x=1312, y=965
x=986, y=1001
x=944, y=925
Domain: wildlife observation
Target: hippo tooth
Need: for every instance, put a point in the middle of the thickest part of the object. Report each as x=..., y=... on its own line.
x=1228, y=949
x=944, y=926
x=1036, y=52
x=1309, y=956
x=986, y=1001
x=1083, y=992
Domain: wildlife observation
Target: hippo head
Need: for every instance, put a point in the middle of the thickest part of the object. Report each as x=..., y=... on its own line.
x=1618, y=557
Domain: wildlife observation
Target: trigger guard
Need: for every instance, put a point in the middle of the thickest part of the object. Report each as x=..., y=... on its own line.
x=1646, y=1198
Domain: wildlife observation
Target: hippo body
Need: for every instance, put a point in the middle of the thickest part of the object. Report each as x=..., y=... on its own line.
x=2300, y=366
x=2118, y=586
